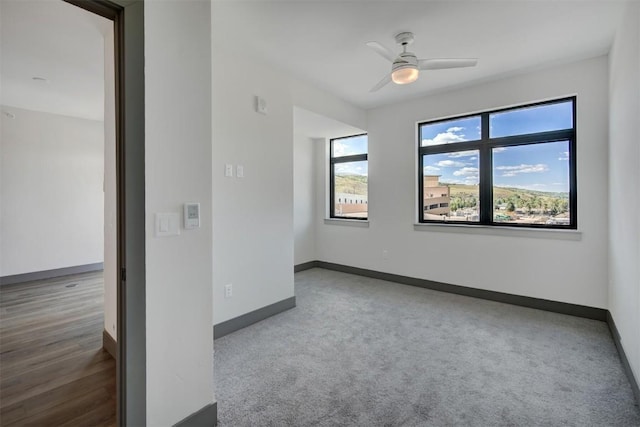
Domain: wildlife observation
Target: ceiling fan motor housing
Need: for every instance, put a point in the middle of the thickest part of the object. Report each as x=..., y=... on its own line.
x=405, y=69
x=405, y=60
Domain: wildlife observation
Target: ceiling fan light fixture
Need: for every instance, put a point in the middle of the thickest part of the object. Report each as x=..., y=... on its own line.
x=405, y=75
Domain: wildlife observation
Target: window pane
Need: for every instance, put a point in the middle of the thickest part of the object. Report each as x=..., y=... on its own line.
x=350, y=190
x=349, y=146
x=531, y=184
x=541, y=118
x=451, y=131
x=451, y=191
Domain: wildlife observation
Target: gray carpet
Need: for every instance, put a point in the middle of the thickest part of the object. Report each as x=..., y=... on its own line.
x=364, y=352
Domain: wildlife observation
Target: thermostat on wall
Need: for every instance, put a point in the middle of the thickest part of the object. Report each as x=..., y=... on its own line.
x=191, y=215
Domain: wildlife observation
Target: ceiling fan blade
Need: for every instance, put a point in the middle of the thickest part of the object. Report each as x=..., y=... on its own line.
x=386, y=79
x=442, y=63
x=382, y=51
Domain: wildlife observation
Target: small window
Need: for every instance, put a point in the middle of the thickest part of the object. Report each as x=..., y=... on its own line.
x=513, y=167
x=349, y=177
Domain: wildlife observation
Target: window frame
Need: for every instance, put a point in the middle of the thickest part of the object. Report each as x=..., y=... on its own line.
x=345, y=159
x=485, y=146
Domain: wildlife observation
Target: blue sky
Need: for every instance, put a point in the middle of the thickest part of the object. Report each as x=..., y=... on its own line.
x=540, y=167
x=534, y=119
x=348, y=147
x=352, y=168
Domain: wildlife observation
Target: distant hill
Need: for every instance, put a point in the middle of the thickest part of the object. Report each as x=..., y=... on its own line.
x=351, y=184
x=466, y=195
x=505, y=192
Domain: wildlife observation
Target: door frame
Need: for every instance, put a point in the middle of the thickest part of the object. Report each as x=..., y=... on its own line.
x=128, y=18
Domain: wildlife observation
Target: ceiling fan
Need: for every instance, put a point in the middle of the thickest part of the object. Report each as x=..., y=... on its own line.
x=406, y=66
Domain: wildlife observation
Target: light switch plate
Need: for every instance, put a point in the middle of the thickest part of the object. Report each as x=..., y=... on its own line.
x=240, y=171
x=228, y=170
x=167, y=224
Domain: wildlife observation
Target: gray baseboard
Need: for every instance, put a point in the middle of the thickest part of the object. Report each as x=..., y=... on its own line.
x=540, y=304
x=232, y=325
x=305, y=266
x=109, y=344
x=49, y=274
x=623, y=357
x=205, y=417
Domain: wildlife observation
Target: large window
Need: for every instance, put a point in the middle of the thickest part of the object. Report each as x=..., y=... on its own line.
x=349, y=177
x=515, y=167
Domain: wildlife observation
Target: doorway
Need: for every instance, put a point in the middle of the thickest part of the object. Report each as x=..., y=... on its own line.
x=129, y=145
x=58, y=181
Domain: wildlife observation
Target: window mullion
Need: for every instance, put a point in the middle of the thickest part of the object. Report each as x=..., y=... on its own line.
x=485, y=175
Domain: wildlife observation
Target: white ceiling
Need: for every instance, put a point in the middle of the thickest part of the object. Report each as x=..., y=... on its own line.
x=313, y=125
x=323, y=42
x=57, y=41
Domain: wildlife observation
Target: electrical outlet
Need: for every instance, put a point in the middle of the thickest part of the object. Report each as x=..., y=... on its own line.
x=385, y=254
x=228, y=290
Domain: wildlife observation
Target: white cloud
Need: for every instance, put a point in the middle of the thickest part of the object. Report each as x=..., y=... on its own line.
x=564, y=155
x=510, y=171
x=451, y=135
x=338, y=148
x=462, y=154
x=443, y=138
x=467, y=171
x=450, y=164
x=499, y=149
x=350, y=169
x=431, y=169
x=471, y=180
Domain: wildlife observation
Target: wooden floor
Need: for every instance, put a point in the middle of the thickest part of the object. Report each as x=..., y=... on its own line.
x=53, y=370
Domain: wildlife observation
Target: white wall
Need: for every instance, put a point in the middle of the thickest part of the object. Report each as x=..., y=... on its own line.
x=303, y=199
x=624, y=177
x=51, y=192
x=110, y=197
x=253, y=225
x=252, y=216
x=530, y=264
x=179, y=337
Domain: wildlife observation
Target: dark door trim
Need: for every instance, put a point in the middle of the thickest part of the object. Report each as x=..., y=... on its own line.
x=128, y=18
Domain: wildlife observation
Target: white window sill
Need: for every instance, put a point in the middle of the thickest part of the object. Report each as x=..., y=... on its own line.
x=540, y=233
x=347, y=222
